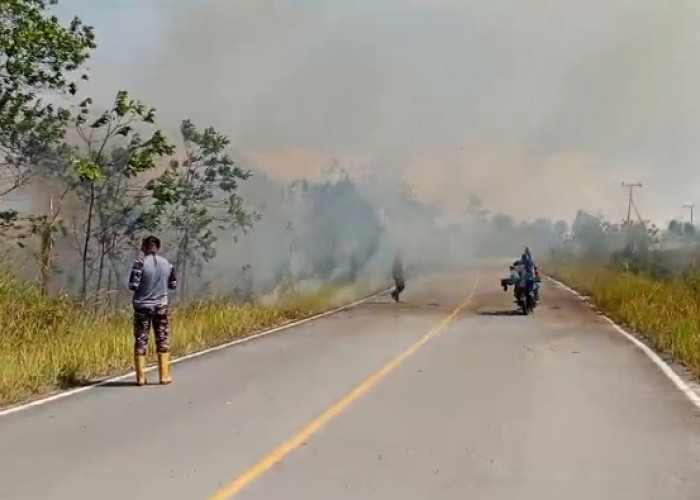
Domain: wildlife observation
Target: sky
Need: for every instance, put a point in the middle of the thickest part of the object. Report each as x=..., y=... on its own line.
x=541, y=107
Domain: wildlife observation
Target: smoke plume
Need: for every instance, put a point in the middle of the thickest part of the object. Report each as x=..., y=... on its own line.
x=539, y=107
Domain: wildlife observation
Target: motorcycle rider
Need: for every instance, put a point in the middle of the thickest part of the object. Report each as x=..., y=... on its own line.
x=527, y=262
x=530, y=270
x=514, y=275
x=536, y=284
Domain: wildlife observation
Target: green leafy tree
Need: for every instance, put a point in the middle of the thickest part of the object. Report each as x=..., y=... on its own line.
x=104, y=175
x=197, y=196
x=39, y=58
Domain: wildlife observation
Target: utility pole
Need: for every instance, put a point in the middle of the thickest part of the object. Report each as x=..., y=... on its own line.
x=691, y=206
x=630, y=204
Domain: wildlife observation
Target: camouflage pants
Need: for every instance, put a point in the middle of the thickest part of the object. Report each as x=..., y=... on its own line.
x=159, y=317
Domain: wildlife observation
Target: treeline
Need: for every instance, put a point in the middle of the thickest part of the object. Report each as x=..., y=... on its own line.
x=636, y=246
x=110, y=174
x=105, y=174
x=333, y=231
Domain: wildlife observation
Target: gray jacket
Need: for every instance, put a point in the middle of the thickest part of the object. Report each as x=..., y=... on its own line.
x=150, y=279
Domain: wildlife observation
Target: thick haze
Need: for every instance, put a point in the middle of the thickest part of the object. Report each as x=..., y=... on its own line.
x=540, y=107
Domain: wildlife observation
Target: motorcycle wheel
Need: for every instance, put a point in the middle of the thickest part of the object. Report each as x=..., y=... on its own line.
x=529, y=304
x=523, y=304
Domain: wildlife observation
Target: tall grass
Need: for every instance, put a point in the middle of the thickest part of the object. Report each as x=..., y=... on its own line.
x=666, y=312
x=48, y=344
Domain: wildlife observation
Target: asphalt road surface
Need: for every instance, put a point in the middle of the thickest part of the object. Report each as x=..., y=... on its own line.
x=383, y=401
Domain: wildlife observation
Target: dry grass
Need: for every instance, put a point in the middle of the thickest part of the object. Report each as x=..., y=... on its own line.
x=48, y=344
x=668, y=313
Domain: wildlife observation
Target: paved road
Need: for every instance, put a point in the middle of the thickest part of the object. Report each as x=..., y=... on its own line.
x=492, y=407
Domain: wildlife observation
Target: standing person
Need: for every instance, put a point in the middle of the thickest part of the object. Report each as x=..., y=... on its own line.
x=151, y=277
x=397, y=273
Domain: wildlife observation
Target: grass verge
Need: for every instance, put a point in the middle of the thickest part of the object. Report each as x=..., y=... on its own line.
x=666, y=312
x=49, y=344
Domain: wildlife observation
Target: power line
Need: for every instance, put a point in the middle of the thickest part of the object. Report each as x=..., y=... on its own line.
x=630, y=204
x=691, y=206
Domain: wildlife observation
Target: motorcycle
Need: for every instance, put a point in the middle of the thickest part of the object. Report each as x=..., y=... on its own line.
x=525, y=295
x=524, y=291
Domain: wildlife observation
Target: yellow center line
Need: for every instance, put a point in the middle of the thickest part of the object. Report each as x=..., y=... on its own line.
x=276, y=455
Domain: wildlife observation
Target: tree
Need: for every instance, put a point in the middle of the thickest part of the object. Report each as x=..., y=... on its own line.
x=198, y=195
x=45, y=227
x=561, y=229
x=683, y=232
x=38, y=57
x=339, y=231
x=103, y=173
x=589, y=236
